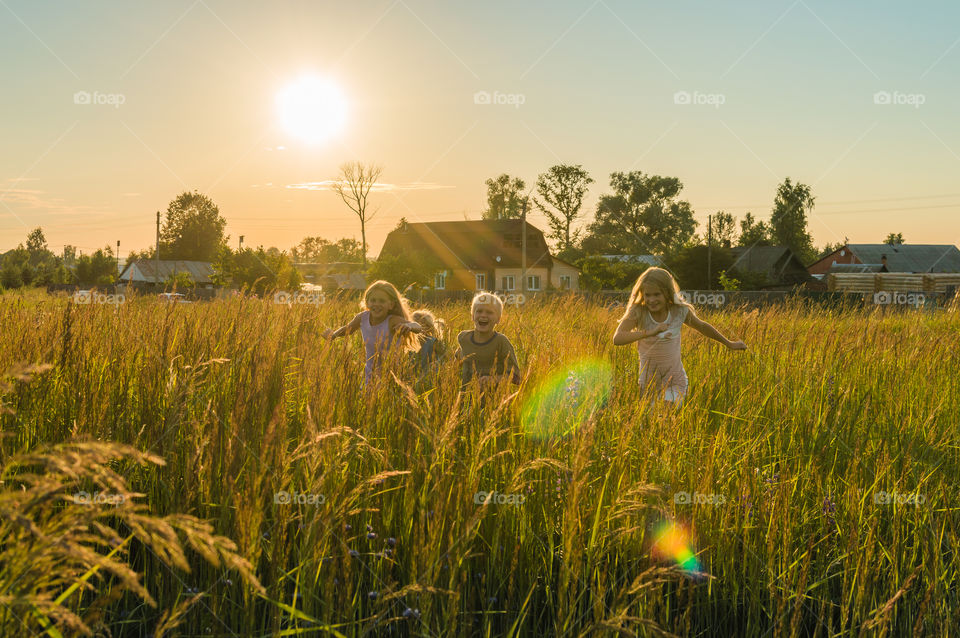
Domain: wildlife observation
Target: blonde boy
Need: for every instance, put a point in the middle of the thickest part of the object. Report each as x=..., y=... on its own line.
x=484, y=353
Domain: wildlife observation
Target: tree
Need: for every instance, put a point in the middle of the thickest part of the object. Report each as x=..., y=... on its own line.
x=36, y=242
x=788, y=221
x=405, y=269
x=319, y=250
x=642, y=216
x=259, y=270
x=504, y=198
x=193, y=229
x=353, y=187
x=753, y=232
x=597, y=273
x=723, y=231
x=11, y=270
x=894, y=239
x=561, y=190
x=98, y=269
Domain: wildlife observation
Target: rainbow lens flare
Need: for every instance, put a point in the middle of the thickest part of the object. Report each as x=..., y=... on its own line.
x=565, y=399
x=672, y=543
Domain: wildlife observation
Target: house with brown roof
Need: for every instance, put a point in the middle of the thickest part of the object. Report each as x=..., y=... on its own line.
x=485, y=255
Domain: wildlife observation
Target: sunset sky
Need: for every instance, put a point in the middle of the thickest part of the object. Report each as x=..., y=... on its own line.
x=859, y=100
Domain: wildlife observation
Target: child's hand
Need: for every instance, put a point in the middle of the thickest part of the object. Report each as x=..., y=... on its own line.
x=661, y=328
x=404, y=328
x=737, y=345
x=328, y=334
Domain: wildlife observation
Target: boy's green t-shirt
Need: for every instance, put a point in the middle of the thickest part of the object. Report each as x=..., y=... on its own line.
x=493, y=357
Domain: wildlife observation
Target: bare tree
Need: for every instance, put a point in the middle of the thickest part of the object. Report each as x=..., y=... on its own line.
x=354, y=185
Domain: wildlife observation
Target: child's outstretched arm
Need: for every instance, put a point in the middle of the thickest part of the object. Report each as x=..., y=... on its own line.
x=708, y=330
x=627, y=333
x=343, y=331
x=401, y=327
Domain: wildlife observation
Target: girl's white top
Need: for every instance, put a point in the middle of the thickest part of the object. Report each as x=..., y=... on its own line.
x=660, y=355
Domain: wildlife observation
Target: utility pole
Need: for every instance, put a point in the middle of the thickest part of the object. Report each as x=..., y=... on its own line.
x=709, y=250
x=156, y=275
x=523, y=248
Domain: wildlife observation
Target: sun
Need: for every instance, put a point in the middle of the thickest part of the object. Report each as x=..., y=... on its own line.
x=312, y=109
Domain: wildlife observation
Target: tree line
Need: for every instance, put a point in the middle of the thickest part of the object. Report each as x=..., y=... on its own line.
x=640, y=214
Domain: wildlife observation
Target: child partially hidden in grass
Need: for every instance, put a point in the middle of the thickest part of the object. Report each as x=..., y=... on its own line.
x=485, y=354
x=385, y=318
x=653, y=320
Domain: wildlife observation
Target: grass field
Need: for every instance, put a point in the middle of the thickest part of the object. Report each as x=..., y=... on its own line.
x=812, y=479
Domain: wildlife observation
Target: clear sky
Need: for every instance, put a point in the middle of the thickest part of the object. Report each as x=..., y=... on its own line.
x=856, y=99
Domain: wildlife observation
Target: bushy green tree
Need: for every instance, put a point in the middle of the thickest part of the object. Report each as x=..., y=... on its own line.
x=193, y=229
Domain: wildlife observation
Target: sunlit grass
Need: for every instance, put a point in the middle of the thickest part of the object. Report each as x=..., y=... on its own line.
x=784, y=451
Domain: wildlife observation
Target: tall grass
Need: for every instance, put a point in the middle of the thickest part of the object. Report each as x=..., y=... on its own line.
x=243, y=399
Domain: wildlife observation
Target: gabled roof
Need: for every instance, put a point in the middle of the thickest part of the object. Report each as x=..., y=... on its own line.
x=472, y=245
x=910, y=257
x=778, y=262
x=146, y=270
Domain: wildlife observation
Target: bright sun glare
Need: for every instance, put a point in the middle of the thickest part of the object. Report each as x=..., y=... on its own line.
x=312, y=109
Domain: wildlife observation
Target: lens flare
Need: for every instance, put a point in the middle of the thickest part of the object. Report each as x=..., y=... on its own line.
x=565, y=399
x=672, y=543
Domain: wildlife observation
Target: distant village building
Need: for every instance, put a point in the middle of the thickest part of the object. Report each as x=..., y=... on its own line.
x=484, y=255
x=780, y=265
x=149, y=273
x=906, y=258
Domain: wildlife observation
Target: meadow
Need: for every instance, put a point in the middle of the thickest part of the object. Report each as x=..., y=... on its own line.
x=237, y=480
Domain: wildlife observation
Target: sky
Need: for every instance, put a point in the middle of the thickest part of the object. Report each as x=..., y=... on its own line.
x=111, y=109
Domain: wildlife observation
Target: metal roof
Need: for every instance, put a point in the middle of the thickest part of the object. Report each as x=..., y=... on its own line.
x=200, y=271
x=910, y=257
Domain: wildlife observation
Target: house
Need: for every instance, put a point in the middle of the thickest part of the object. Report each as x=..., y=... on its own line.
x=145, y=273
x=484, y=255
x=779, y=265
x=911, y=258
x=333, y=275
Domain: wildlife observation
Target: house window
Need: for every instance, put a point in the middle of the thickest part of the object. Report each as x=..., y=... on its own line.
x=481, y=281
x=533, y=282
x=440, y=281
x=508, y=283
x=564, y=282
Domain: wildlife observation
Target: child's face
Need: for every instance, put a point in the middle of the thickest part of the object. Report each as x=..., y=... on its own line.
x=379, y=304
x=485, y=317
x=653, y=297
